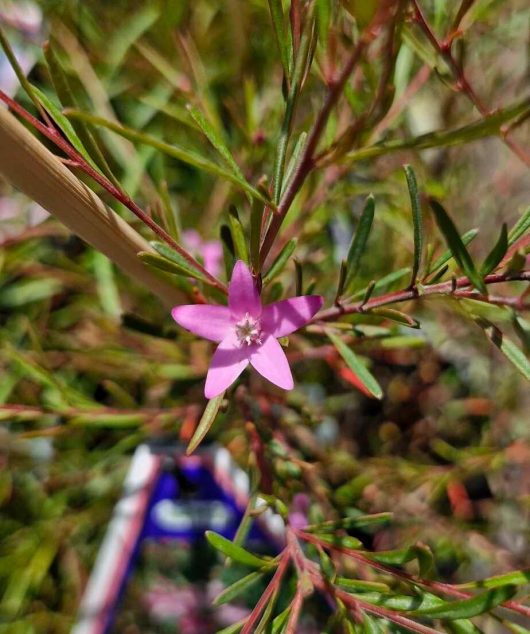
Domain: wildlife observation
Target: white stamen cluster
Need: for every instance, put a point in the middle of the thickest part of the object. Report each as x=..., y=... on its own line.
x=248, y=330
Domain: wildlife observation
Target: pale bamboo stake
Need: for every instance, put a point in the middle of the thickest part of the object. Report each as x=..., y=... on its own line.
x=35, y=171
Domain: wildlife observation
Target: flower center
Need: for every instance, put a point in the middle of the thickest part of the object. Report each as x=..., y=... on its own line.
x=248, y=330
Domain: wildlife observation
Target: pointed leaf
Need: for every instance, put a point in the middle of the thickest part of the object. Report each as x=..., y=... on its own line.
x=396, y=315
x=282, y=34
x=237, y=553
x=420, y=552
x=360, y=239
x=347, y=523
x=466, y=238
x=356, y=366
x=455, y=244
x=215, y=139
x=168, y=266
x=256, y=215
x=238, y=235
x=175, y=258
x=515, y=578
x=495, y=256
x=64, y=124
x=416, y=221
x=206, y=422
x=62, y=86
x=507, y=347
x=520, y=228
x=185, y=155
x=294, y=161
x=280, y=262
x=385, y=282
x=468, y=608
x=234, y=590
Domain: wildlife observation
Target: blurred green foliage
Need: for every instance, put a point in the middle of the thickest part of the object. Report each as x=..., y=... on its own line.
x=92, y=364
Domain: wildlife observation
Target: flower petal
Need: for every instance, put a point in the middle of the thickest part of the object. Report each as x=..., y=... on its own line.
x=243, y=296
x=283, y=318
x=228, y=361
x=270, y=361
x=206, y=320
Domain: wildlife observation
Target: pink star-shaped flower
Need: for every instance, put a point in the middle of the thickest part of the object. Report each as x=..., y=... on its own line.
x=246, y=331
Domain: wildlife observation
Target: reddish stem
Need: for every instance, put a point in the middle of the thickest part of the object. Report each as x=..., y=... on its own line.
x=265, y=597
x=444, y=588
x=307, y=163
x=462, y=83
x=54, y=136
x=443, y=288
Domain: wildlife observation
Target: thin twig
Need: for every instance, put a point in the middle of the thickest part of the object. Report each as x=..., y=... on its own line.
x=306, y=163
x=443, y=288
x=118, y=194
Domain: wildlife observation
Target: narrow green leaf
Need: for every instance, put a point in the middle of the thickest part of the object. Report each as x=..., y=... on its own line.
x=416, y=221
x=175, y=258
x=182, y=154
x=290, y=108
x=495, y=256
x=402, y=603
x=397, y=316
x=279, y=622
x=515, y=578
x=27, y=290
x=438, y=275
x=347, y=523
x=420, y=552
x=66, y=96
x=234, y=590
x=358, y=245
x=256, y=215
x=237, y=553
x=356, y=585
x=167, y=266
x=280, y=262
x=323, y=14
x=520, y=227
x=468, y=608
x=455, y=244
x=356, y=366
x=299, y=277
x=229, y=251
x=129, y=31
x=282, y=34
x=205, y=424
x=484, y=127
x=262, y=626
x=294, y=161
x=215, y=139
x=327, y=567
x=466, y=238
x=64, y=124
x=462, y=626
x=106, y=284
x=342, y=280
x=238, y=235
x=507, y=347
x=344, y=541
x=385, y=282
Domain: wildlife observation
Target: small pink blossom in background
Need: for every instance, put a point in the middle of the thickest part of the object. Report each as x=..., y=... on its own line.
x=22, y=15
x=26, y=18
x=191, y=607
x=210, y=251
x=18, y=213
x=299, y=510
x=247, y=332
